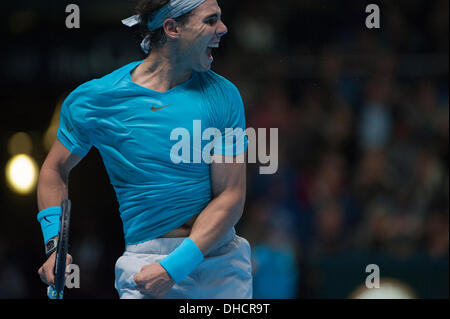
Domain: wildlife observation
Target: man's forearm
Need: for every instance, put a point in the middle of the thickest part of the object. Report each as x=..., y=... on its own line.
x=52, y=188
x=216, y=220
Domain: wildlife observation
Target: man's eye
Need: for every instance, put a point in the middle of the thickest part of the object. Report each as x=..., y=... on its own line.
x=211, y=21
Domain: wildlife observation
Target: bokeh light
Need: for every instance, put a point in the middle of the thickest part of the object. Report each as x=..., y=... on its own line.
x=21, y=174
x=390, y=288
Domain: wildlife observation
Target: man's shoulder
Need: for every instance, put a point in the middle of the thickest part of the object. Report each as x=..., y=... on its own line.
x=98, y=88
x=212, y=78
x=117, y=75
x=213, y=84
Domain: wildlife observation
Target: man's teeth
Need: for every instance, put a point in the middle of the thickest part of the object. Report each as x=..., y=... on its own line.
x=214, y=45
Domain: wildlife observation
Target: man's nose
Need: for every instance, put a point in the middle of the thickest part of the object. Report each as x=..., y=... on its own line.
x=221, y=29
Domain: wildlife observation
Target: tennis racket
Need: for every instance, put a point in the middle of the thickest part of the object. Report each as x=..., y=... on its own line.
x=56, y=291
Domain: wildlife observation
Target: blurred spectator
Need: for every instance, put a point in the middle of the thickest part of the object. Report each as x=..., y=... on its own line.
x=330, y=237
x=376, y=119
x=436, y=232
x=274, y=257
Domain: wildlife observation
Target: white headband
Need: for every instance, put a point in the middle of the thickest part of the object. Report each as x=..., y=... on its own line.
x=174, y=9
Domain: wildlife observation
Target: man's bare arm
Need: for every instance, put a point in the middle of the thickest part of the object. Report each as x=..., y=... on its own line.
x=52, y=190
x=54, y=176
x=228, y=182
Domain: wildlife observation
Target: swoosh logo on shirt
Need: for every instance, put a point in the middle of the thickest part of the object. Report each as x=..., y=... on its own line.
x=159, y=108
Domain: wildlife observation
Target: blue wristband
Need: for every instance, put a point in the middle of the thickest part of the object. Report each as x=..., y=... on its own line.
x=183, y=260
x=50, y=220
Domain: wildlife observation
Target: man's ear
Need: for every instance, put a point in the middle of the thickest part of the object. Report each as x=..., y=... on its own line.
x=171, y=28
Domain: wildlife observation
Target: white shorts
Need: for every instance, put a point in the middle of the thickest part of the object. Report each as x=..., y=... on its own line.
x=225, y=273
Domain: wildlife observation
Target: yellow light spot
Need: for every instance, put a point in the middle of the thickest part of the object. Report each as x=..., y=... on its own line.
x=21, y=174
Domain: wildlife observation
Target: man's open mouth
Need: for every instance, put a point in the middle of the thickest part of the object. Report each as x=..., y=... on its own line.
x=209, y=50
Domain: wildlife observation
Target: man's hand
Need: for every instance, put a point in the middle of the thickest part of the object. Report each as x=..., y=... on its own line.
x=47, y=270
x=154, y=281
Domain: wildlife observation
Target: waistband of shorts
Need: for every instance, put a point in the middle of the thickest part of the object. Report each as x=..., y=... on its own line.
x=164, y=246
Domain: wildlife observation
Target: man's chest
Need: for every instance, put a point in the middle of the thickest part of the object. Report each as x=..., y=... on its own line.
x=148, y=128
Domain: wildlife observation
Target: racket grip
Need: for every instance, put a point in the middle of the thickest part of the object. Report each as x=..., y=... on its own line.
x=52, y=293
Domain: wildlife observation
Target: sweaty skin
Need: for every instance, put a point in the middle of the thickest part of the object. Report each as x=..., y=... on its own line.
x=183, y=231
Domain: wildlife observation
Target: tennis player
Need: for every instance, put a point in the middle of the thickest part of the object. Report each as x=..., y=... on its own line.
x=178, y=218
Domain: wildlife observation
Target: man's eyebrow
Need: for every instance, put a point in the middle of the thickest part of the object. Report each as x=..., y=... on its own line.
x=213, y=15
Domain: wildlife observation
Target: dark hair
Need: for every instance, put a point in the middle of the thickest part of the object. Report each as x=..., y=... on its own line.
x=145, y=9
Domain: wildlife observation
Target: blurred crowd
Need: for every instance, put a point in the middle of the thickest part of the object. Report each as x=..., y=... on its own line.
x=363, y=119
x=363, y=156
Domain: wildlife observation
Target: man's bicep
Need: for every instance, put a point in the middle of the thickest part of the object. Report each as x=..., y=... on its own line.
x=54, y=176
x=61, y=158
x=228, y=177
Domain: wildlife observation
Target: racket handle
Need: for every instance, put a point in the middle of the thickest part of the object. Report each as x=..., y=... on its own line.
x=53, y=294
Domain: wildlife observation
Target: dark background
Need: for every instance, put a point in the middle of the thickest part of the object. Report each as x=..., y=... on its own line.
x=363, y=131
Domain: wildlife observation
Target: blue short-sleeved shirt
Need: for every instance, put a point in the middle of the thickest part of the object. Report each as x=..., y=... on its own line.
x=132, y=126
